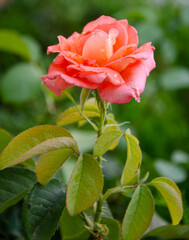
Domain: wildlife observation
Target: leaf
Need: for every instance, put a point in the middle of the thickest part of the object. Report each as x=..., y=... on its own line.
x=42, y=210
x=170, y=232
x=48, y=163
x=83, y=97
x=34, y=141
x=133, y=162
x=5, y=138
x=172, y=196
x=66, y=225
x=113, y=226
x=105, y=141
x=111, y=120
x=14, y=185
x=11, y=41
x=139, y=214
x=85, y=185
x=21, y=83
x=72, y=115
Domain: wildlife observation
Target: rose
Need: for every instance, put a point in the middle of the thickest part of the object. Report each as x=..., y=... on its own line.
x=105, y=56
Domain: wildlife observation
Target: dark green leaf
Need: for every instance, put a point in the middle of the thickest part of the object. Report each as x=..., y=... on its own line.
x=42, y=210
x=14, y=185
x=139, y=214
x=85, y=185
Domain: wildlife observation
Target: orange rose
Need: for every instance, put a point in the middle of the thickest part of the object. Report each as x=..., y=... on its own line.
x=104, y=56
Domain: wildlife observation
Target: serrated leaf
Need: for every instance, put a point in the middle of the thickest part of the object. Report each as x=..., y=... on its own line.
x=172, y=196
x=105, y=141
x=72, y=115
x=85, y=185
x=42, y=210
x=66, y=225
x=170, y=232
x=48, y=163
x=12, y=42
x=14, y=185
x=83, y=97
x=5, y=138
x=34, y=141
x=133, y=162
x=139, y=214
x=113, y=227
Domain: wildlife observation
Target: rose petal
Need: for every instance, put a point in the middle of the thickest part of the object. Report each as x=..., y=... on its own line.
x=121, y=63
x=56, y=85
x=117, y=94
x=113, y=76
x=99, y=47
x=89, y=27
x=135, y=74
x=131, y=31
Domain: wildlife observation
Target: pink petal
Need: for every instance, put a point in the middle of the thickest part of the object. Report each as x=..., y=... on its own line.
x=135, y=74
x=111, y=75
x=98, y=22
x=56, y=85
x=99, y=47
x=140, y=54
x=131, y=31
x=116, y=94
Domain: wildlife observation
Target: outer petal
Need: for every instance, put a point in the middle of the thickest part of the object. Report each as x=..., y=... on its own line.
x=98, y=22
x=117, y=94
x=135, y=74
x=111, y=75
x=131, y=31
x=142, y=53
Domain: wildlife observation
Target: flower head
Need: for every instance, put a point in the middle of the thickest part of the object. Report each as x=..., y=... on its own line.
x=105, y=56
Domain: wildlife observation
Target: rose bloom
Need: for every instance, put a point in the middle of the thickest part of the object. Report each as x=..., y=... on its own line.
x=105, y=56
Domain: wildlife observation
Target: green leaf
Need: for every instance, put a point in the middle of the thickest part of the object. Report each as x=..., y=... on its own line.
x=113, y=226
x=72, y=115
x=66, y=225
x=5, y=138
x=85, y=185
x=139, y=214
x=105, y=142
x=14, y=185
x=34, y=141
x=133, y=162
x=42, y=210
x=21, y=83
x=83, y=97
x=170, y=232
x=111, y=121
x=12, y=42
x=48, y=163
x=172, y=196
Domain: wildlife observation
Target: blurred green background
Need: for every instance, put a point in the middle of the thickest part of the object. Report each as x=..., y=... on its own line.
x=160, y=121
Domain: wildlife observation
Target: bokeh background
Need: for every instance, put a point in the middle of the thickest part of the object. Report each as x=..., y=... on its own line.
x=160, y=121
